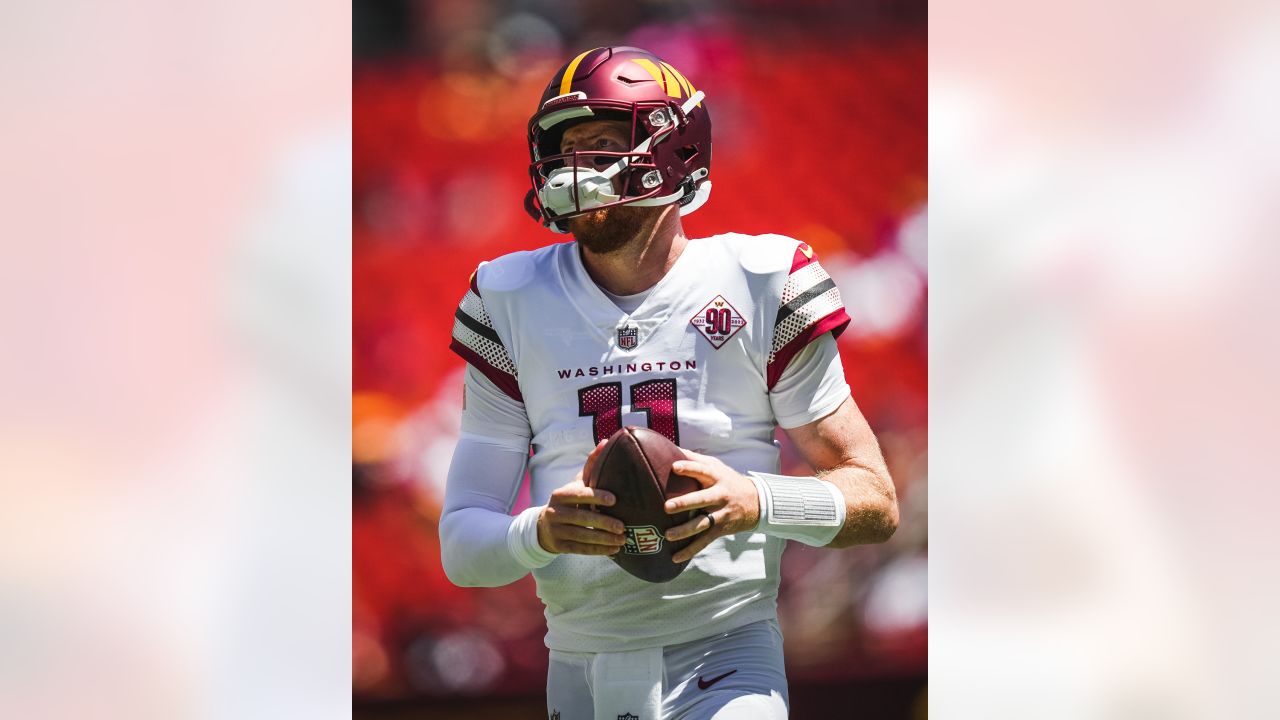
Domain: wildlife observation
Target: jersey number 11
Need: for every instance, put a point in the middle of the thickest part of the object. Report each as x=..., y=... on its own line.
x=656, y=398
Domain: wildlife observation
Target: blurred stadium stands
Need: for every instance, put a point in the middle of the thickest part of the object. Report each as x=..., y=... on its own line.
x=820, y=123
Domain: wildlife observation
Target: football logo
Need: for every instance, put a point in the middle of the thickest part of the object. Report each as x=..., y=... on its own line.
x=718, y=321
x=628, y=337
x=642, y=540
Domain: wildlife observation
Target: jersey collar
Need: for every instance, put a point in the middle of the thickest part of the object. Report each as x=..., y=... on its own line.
x=598, y=309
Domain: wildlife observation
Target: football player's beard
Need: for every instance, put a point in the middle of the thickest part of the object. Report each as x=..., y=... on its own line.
x=610, y=229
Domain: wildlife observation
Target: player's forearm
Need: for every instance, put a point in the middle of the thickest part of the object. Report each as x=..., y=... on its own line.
x=871, y=504
x=484, y=548
x=473, y=548
x=481, y=544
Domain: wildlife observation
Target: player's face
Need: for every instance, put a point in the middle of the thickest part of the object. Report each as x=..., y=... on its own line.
x=595, y=136
x=604, y=231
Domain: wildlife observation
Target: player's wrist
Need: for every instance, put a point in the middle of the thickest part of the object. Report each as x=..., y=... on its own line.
x=542, y=533
x=524, y=542
x=804, y=509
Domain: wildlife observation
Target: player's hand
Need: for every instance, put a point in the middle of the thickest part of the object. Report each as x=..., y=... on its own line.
x=729, y=500
x=570, y=524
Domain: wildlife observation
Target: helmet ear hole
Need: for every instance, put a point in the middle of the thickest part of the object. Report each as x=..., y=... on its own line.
x=687, y=153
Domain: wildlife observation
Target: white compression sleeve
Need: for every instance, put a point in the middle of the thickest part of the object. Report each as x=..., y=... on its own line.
x=481, y=545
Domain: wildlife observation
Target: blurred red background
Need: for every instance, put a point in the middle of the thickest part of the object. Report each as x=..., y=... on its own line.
x=820, y=121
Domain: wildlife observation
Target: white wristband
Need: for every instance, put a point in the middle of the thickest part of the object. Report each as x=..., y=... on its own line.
x=804, y=509
x=522, y=540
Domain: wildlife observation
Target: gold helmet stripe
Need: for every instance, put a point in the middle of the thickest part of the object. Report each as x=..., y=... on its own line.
x=688, y=89
x=567, y=80
x=660, y=75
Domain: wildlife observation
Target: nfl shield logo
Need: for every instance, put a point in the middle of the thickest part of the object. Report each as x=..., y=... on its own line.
x=628, y=337
x=642, y=540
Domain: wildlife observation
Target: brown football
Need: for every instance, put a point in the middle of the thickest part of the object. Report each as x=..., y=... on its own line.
x=635, y=465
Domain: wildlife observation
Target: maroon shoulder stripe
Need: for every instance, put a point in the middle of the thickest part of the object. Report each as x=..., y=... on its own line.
x=505, y=381
x=835, y=323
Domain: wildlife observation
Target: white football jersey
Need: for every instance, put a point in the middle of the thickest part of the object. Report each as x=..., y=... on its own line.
x=700, y=361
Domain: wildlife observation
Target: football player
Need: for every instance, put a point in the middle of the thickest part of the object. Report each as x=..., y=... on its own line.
x=712, y=342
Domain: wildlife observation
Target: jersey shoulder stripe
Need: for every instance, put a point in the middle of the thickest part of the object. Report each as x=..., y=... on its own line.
x=810, y=306
x=475, y=340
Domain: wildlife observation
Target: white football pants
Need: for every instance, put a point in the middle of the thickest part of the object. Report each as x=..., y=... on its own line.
x=737, y=675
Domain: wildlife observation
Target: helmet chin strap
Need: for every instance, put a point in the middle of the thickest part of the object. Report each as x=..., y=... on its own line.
x=595, y=187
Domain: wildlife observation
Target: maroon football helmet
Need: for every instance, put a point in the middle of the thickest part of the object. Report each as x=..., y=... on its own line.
x=670, y=137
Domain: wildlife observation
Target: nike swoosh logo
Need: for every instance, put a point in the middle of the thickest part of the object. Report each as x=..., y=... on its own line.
x=704, y=684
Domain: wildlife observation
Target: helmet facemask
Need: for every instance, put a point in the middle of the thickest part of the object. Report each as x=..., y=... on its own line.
x=566, y=185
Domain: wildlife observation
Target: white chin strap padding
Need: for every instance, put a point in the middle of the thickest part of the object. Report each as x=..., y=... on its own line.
x=594, y=189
